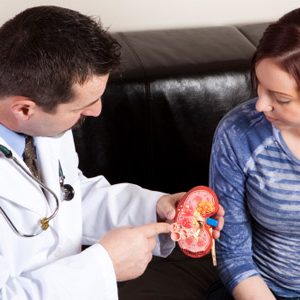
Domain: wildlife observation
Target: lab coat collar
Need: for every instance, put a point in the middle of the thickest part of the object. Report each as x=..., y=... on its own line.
x=19, y=188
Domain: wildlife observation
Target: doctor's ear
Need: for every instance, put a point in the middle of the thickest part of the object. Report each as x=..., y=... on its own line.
x=23, y=108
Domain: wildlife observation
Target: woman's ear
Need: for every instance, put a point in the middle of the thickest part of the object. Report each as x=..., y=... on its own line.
x=23, y=108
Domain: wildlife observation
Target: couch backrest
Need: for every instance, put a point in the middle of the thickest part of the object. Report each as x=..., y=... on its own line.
x=162, y=106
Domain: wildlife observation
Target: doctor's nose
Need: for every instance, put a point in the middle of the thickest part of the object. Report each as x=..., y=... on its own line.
x=94, y=110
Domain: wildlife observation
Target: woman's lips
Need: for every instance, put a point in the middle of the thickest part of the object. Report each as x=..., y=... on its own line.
x=270, y=119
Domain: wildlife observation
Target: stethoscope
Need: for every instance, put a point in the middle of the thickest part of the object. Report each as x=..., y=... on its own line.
x=67, y=194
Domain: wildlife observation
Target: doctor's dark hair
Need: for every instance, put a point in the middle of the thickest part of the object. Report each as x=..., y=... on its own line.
x=281, y=42
x=44, y=50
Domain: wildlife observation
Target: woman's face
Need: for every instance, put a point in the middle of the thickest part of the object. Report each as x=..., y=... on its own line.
x=278, y=95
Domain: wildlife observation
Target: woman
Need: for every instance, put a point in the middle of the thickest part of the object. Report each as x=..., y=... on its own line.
x=255, y=171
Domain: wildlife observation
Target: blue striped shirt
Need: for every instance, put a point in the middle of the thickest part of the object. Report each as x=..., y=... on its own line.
x=257, y=180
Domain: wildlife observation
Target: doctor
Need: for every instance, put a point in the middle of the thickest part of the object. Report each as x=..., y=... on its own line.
x=54, y=66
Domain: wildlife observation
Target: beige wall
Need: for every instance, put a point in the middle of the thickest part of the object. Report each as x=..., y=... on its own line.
x=124, y=15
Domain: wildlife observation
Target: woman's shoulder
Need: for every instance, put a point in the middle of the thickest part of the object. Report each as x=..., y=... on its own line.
x=243, y=128
x=243, y=113
x=243, y=118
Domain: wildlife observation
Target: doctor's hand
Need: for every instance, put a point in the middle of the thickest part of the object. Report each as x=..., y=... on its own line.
x=166, y=210
x=166, y=206
x=130, y=249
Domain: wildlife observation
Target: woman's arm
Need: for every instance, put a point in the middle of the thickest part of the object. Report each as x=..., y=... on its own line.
x=252, y=288
x=228, y=178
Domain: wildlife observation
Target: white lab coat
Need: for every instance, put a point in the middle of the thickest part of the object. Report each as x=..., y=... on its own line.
x=51, y=265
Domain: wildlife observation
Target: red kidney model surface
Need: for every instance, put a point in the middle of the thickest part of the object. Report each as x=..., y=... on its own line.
x=191, y=226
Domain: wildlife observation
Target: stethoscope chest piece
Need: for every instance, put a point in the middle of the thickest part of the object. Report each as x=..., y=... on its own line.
x=67, y=192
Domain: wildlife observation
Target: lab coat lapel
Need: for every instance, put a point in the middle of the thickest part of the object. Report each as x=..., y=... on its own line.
x=48, y=160
x=17, y=187
x=48, y=150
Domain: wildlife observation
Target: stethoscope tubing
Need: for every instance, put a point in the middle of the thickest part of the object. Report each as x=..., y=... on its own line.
x=44, y=221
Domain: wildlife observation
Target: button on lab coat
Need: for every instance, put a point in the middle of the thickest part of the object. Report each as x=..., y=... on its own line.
x=51, y=265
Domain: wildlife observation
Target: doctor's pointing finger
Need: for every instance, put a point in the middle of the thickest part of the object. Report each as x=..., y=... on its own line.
x=130, y=249
x=153, y=229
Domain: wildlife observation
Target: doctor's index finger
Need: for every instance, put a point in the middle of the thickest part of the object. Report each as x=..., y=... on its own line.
x=154, y=229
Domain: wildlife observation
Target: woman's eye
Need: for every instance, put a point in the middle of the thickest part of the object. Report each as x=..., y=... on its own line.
x=282, y=101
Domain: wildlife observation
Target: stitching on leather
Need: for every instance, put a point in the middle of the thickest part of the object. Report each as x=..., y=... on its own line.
x=245, y=36
x=125, y=39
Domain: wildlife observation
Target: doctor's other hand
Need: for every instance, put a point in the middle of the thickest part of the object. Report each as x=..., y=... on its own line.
x=130, y=249
x=166, y=206
x=166, y=210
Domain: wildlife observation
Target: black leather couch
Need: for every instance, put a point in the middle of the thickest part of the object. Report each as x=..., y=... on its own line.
x=160, y=111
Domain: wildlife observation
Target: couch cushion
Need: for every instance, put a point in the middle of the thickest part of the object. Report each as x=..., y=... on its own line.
x=160, y=111
x=163, y=104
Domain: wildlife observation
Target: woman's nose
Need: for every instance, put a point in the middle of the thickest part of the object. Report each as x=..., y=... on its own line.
x=264, y=103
